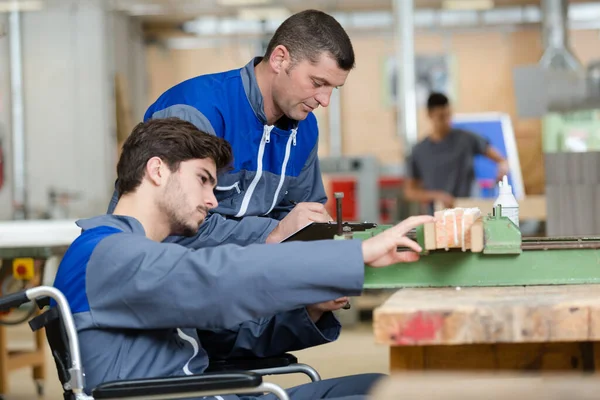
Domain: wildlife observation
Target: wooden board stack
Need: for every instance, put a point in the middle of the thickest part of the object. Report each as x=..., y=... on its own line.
x=460, y=228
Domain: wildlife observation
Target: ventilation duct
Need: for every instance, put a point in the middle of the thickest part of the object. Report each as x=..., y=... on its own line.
x=558, y=81
x=555, y=35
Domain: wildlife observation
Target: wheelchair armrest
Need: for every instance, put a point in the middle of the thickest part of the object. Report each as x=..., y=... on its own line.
x=176, y=385
x=247, y=364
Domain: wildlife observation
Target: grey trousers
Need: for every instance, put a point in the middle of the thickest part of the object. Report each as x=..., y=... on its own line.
x=354, y=387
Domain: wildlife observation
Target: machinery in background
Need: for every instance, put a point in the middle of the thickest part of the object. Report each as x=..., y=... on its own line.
x=372, y=192
x=357, y=178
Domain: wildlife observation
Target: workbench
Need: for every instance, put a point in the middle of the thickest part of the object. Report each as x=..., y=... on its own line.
x=33, y=241
x=519, y=328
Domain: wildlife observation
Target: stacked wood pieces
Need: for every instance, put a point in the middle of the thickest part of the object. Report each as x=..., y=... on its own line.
x=460, y=228
x=572, y=193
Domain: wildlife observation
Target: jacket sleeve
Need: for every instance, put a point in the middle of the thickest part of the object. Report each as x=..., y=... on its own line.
x=267, y=337
x=135, y=283
x=308, y=187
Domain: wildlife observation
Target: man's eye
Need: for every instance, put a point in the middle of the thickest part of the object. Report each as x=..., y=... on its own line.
x=203, y=179
x=316, y=84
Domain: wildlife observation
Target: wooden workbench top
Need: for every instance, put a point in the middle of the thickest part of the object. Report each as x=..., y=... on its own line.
x=530, y=314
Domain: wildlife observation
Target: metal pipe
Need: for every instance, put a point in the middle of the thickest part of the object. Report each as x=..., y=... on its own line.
x=406, y=98
x=75, y=369
x=338, y=210
x=555, y=36
x=335, y=124
x=19, y=193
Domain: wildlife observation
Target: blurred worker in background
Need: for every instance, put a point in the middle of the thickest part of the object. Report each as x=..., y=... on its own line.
x=265, y=111
x=440, y=167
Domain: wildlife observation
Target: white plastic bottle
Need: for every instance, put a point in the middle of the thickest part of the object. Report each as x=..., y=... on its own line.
x=510, y=206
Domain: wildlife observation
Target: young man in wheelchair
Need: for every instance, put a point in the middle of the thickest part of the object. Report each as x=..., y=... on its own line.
x=138, y=301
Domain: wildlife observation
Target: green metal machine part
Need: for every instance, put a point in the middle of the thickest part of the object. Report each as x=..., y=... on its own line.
x=507, y=260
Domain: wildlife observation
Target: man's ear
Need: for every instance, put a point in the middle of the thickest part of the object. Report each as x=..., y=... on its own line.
x=155, y=171
x=280, y=59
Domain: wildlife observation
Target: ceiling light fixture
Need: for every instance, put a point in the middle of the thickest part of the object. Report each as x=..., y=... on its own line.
x=24, y=5
x=239, y=3
x=468, y=4
x=263, y=14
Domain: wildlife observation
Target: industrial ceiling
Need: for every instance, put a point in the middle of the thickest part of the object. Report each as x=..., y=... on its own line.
x=181, y=10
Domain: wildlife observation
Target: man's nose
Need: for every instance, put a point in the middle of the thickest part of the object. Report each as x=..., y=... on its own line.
x=211, y=201
x=324, y=97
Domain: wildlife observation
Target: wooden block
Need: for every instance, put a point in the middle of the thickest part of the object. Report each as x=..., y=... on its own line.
x=477, y=236
x=429, y=236
x=453, y=227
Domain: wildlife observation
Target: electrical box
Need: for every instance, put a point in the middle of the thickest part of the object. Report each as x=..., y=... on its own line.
x=23, y=269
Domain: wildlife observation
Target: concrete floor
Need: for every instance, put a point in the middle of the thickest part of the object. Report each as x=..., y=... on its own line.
x=355, y=352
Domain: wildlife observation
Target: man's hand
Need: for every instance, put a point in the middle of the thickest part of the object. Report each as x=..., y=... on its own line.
x=316, y=311
x=446, y=199
x=299, y=217
x=502, y=170
x=380, y=250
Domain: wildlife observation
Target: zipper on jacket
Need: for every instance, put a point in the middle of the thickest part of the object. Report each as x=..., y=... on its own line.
x=195, y=346
x=235, y=186
x=291, y=140
x=266, y=138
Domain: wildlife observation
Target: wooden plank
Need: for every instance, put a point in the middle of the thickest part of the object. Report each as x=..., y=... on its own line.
x=477, y=236
x=429, y=236
x=407, y=358
x=22, y=359
x=477, y=386
x=39, y=371
x=494, y=357
x=535, y=314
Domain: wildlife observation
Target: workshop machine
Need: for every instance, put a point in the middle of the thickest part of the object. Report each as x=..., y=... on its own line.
x=507, y=259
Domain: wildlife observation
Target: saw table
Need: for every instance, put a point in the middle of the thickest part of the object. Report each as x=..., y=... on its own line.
x=511, y=303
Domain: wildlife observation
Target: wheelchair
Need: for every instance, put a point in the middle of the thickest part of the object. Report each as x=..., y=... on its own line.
x=222, y=377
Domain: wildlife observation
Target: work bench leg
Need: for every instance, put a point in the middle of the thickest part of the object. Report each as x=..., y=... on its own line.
x=597, y=357
x=39, y=371
x=3, y=361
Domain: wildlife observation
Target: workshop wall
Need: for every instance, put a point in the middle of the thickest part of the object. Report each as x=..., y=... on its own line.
x=131, y=81
x=5, y=190
x=68, y=106
x=74, y=53
x=481, y=61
